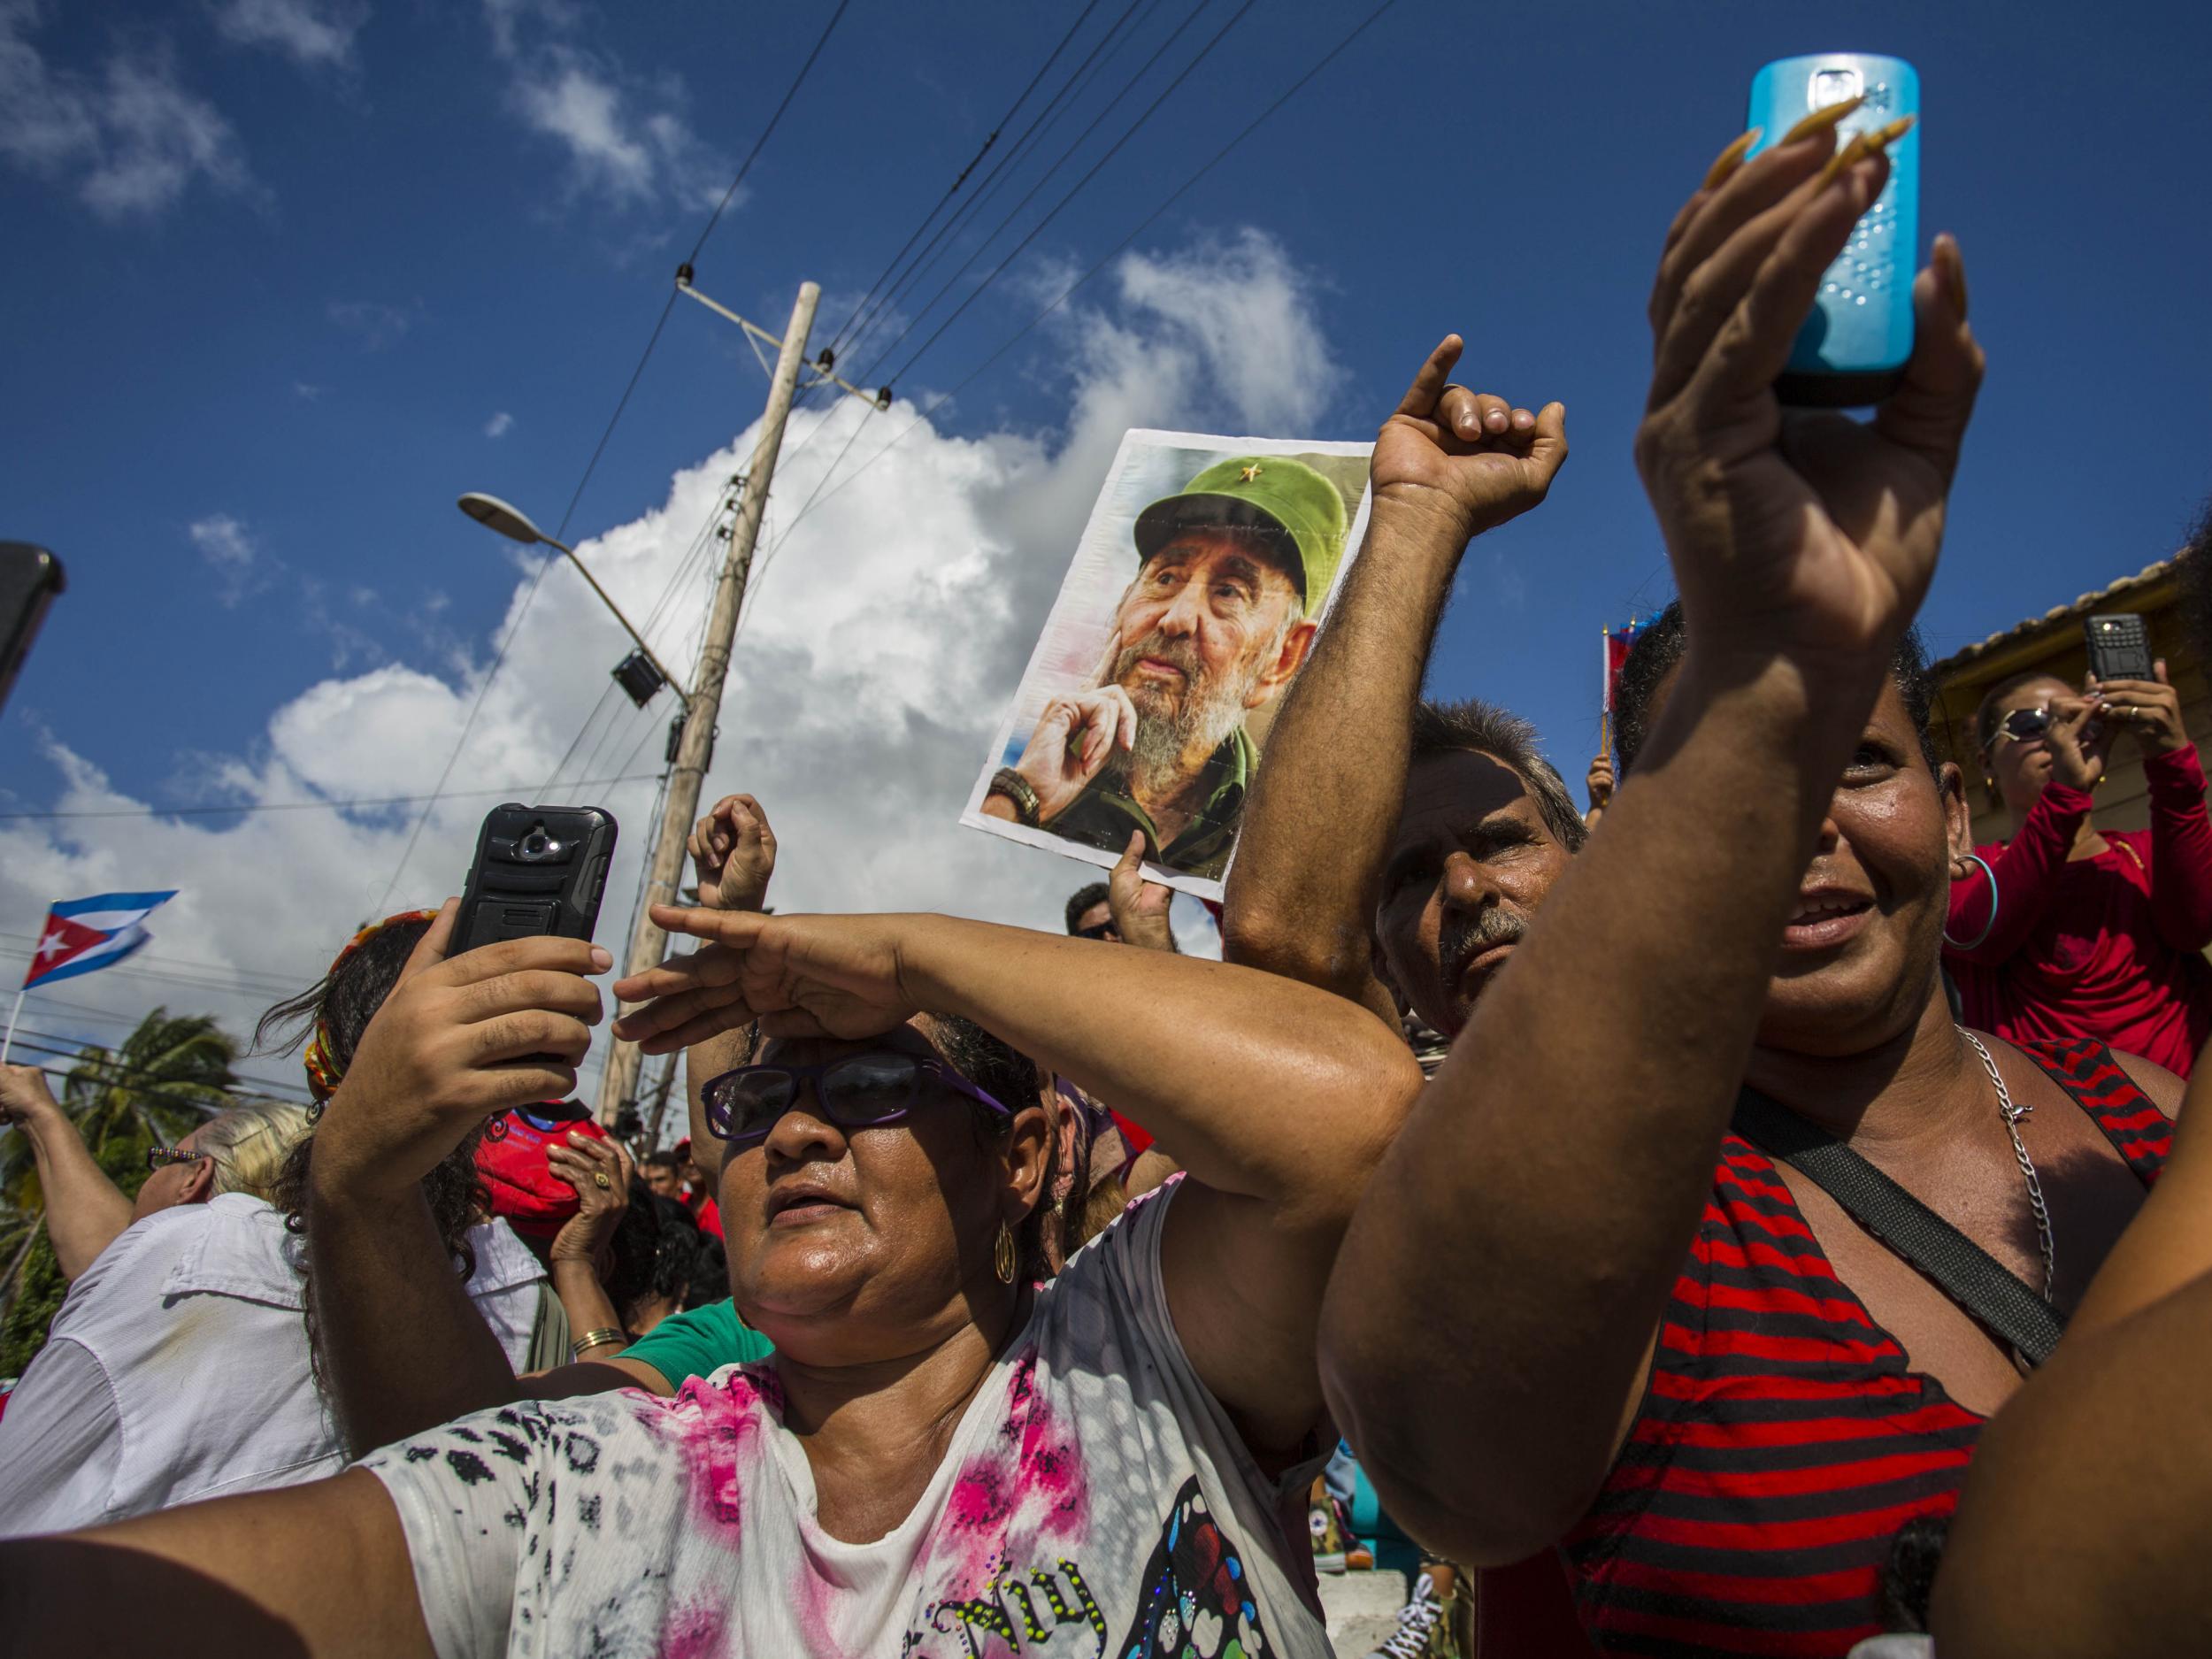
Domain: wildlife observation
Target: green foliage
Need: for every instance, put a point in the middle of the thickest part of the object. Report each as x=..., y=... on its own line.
x=170, y=1075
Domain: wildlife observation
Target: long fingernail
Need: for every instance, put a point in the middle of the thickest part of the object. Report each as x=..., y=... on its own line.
x=1839, y=164
x=1725, y=164
x=1822, y=120
x=1884, y=136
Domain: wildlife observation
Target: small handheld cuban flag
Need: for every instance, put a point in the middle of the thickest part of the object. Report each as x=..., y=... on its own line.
x=83, y=936
x=1617, y=644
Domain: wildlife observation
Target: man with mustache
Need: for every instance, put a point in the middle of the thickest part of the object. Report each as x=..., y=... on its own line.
x=1398, y=846
x=1215, y=625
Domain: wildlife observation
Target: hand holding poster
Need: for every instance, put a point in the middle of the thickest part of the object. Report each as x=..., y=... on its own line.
x=1191, y=604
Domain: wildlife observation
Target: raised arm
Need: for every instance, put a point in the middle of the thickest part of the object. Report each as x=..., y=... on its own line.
x=317, y=1572
x=2026, y=870
x=1277, y=1098
x=1491, y=1312
x=402, y=1346
x=1301, y=898
x=85, y=1210
x=2181, y=830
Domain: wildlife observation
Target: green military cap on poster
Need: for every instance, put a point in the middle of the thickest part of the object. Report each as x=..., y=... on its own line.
x=1259, y=492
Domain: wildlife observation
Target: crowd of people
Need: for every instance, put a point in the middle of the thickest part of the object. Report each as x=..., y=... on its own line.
x=1741, y=1215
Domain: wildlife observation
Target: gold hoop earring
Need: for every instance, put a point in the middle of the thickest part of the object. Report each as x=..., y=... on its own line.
x=1003, y=1261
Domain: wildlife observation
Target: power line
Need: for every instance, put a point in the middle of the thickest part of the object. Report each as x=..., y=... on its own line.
x=255, y=809
x=694, y=557
x=243, y=990
x=1069, y=92
x=1112, y=253
x=173, y=961
x=746, y=165
x=838, y=338
x=116, y=1068
x=1036, y=229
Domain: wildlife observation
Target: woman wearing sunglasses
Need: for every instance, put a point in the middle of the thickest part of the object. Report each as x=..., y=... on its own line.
x=944, y=1455
x=2062, y=929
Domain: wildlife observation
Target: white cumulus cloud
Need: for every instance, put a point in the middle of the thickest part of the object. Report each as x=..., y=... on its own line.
x=884, y=630
x=130, y=140
x=308, y=32
x=627, y=137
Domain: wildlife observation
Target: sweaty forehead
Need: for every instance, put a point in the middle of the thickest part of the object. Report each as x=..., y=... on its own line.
x=1460, y=787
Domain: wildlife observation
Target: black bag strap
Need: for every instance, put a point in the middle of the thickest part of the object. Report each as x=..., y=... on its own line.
x=1973, y=1278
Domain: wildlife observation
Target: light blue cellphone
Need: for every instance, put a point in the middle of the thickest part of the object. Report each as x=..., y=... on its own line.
x=1853, y=348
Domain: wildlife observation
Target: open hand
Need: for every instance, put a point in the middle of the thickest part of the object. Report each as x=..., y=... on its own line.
x=2148, y=709
x=458, y=1040
x=733, y=853
x=799, y=976
x=1807, y=537
x=1468, y=456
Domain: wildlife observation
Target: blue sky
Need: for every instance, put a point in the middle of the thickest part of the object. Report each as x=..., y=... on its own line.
x=285, y=276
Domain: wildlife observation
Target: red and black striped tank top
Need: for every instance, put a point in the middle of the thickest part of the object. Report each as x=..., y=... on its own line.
x=1782, y=1441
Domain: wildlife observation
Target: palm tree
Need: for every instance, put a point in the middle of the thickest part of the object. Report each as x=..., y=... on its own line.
x=170, y=1075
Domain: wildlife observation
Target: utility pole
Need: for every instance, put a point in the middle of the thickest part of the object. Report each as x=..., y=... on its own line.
x=648, y=942
x=661, y=1092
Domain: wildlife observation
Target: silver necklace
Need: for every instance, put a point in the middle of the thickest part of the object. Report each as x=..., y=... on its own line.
x=2012, y=1115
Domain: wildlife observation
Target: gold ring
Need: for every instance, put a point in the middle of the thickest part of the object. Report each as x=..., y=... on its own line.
x=599, y=1178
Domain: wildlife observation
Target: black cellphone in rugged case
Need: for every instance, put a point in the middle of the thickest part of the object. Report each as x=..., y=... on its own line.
x=538, y=870
x=2119, y=647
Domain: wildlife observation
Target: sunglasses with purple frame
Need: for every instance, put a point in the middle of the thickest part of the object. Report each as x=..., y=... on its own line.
x=858, y=1092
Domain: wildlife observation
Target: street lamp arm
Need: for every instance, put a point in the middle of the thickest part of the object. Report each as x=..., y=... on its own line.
x=581, y=569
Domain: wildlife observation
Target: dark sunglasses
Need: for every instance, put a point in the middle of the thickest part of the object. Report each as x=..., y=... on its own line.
x=1102, y=930
x=858, y=1092
x=2021, y=725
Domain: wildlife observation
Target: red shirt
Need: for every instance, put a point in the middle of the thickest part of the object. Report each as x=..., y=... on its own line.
x=708, y=1215
x=2109, y=946
x=1783, y=1437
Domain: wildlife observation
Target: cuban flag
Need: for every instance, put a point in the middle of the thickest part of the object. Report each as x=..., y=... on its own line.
x=1617, y=644
x=85, y=935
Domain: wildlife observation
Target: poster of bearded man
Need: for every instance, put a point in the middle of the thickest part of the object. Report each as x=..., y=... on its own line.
x=1191, y=604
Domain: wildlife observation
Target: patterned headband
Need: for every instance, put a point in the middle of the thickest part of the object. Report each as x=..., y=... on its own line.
x=324, y=1073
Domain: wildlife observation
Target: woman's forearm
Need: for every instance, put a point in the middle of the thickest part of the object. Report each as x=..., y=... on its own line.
x=1254, y=1080
x=2025, y=873
x=2181, y=850
x=1547, y=1185
x=85, y=1210
x=585, y=1300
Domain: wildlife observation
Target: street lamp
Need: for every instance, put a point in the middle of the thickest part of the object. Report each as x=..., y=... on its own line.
x=514, y=524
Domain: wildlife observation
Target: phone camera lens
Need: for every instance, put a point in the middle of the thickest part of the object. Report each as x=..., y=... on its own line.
x=534, y=845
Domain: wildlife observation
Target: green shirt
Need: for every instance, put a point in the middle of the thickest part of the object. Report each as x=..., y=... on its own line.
x=1102, y=816
x=699, y=1343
